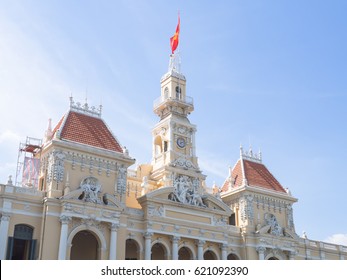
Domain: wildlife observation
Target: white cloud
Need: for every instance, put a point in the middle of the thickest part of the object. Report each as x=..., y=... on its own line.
x=213, y=167
x=338, y=238
x=9, y=136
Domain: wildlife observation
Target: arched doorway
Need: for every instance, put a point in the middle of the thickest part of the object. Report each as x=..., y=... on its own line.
x=210, y=255
x=273, y=259
x=232, y=257
x=185, y=254
x=21, y=246
x=131, y=250
x=158, y=252
x=84, y=246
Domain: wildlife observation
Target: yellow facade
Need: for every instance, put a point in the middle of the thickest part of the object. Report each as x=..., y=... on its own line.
x=90, y=204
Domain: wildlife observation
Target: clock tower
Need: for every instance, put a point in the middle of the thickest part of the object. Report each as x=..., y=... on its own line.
x=174, y=136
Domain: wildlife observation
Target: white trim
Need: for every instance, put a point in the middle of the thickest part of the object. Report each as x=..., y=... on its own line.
x=21, y=212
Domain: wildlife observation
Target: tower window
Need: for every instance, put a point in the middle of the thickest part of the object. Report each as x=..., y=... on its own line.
x=232, y=220
x=165, y=146
x=158, y=145
x=166, y=93
x=178, y=93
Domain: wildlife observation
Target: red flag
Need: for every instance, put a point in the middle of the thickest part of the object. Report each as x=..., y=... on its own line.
x=174, y=38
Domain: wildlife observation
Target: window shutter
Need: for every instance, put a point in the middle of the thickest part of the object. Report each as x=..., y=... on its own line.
x=32, y=249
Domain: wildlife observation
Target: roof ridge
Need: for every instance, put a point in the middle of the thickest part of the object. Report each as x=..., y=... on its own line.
x=112, y=134
x=60, y=125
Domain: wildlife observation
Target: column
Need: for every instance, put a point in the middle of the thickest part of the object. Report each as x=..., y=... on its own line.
x=200, y=244
x=175, y=240
x=224, y=248
x=113, y=241
x=63, y=237
x=148, y=245
x=261, y=252
x=193, y=143
x=5, y=222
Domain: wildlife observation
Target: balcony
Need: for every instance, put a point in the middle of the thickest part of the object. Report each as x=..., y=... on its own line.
x=159, y=101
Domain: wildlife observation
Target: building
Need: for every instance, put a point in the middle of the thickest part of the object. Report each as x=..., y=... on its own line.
x=79, y=198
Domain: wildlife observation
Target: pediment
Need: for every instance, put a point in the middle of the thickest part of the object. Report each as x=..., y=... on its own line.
x=273, y=228
x=164, y=196
x=80, y=195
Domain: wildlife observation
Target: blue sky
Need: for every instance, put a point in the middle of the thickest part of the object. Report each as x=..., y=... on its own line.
x=270, y=74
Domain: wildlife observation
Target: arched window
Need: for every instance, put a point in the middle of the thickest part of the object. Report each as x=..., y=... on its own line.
x=158, y=252
x=210, y=255
x=85, y=246
x=131, y=250
x=232, y=256
x=185, y=254
x=22, y=245
x=158, y=142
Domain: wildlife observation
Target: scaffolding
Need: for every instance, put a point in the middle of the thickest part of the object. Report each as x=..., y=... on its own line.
x=28, y=163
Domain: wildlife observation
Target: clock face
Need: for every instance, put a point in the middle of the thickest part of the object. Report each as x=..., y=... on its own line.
x=181, y=142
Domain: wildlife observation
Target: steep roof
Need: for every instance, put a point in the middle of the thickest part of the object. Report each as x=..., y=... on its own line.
x=255, y=173
x=87, y=129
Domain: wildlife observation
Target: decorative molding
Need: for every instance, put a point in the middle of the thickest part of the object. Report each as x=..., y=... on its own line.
x=135, y=212
x=121, y=179
x=246, y=209
x=219, y=222
x=184, y=163
x=65, y=219
x=89, y=222
x=91, y=190
x=187, y=190
x=200, y=243
x=275, y=228
x=250, y=155
x=175, y=239
x=148, y=235
x=85, y=109
x=55, y=168
x=290, y=219
x=155, y=211
x=260, y=249
x=114, y=226
x=5, y=217
x=97, y=162
x=28, y=191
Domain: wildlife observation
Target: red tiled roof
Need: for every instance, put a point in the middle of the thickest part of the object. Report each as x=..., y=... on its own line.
x=257, y=175
x=88, y=130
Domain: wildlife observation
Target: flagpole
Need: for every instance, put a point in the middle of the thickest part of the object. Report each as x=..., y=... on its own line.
x=179, y=59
